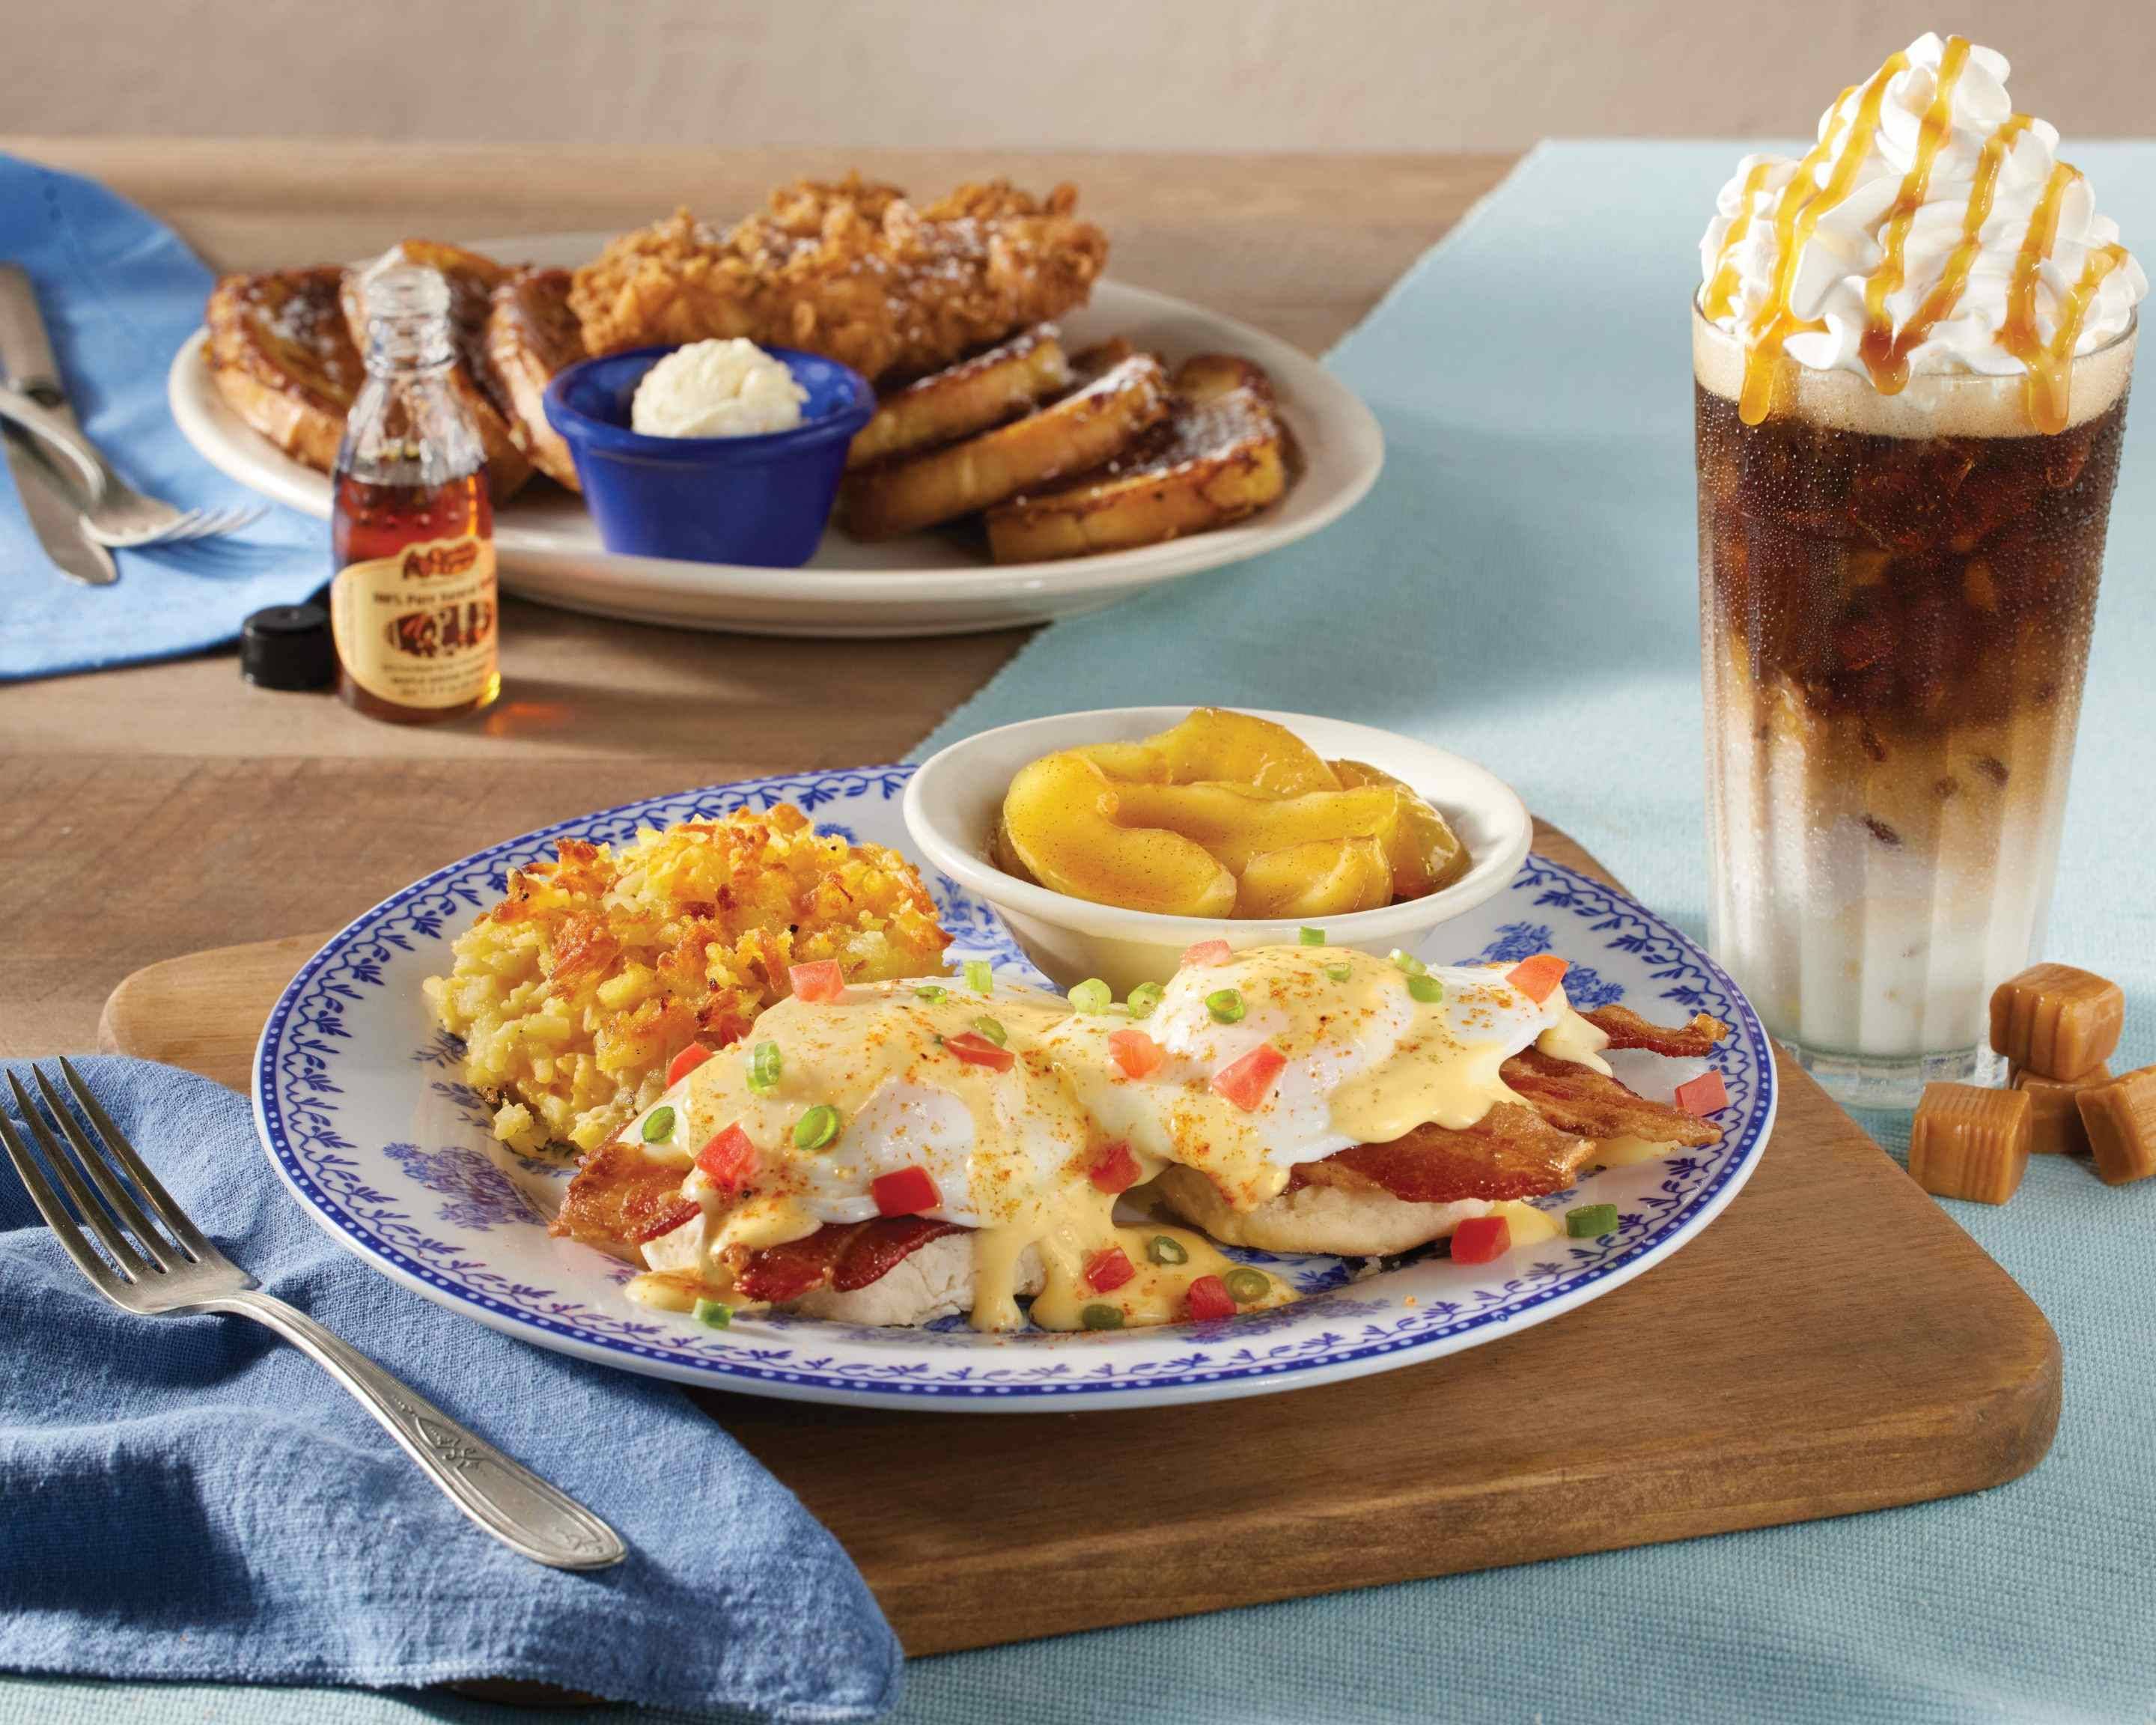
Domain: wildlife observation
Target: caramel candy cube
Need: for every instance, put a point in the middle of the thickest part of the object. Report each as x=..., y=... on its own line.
x=2120, y=1120
x=1970, y=1142
x=2055, y=1122
x=2056, y=1021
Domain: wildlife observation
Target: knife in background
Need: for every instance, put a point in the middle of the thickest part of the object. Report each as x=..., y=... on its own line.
x=50, y=501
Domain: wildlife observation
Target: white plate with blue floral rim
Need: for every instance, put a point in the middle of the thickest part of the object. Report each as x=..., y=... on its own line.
x=360, y=1107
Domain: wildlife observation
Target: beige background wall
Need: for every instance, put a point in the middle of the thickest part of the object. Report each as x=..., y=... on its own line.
x=1372, y=75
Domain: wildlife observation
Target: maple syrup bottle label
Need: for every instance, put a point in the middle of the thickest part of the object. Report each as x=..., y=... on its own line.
x=416, y=628
x=412, y=605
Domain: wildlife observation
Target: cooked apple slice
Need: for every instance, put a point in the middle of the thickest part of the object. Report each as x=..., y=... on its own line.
x=1426, y=854
x=1214, y=743
x=1236, y=825
x=1328, y=877
x=1059, y=820
x=1129, y=763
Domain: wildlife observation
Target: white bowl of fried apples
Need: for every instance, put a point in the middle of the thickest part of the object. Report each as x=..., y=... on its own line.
x=1112, y=841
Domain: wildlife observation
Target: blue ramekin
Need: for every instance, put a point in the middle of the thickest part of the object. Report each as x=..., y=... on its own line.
x=762, y=498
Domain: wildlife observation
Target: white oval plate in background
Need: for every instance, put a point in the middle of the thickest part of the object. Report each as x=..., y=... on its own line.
x=359, y=1102
x=923, y=584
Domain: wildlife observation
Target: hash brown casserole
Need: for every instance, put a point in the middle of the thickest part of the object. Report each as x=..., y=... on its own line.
x=574, y=993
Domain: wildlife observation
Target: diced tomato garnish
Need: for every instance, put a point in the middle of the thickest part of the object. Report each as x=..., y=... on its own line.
x=907, y=1192
x=1117, y=1170
x=1535, y=977
x=1480, y=1238
x=979, y=1051
x=1108, y=1269
x=729, y=1159
x=666, y=1222
x=1136, y=1052
x=1704, y=1094
x=685, y=1062
x=1207, y=952
x=1248, y=1081
x=822, y=980
x=1207, y=1298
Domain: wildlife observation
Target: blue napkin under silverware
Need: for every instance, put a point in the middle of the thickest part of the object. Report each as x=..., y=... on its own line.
x=189, y=1497
x=120, y=293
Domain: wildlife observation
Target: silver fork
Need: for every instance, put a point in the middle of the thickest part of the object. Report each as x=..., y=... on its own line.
x=117, y=515
x=153, y=1272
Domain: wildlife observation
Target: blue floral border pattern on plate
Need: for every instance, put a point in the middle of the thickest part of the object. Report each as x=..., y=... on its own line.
x=299, y=1102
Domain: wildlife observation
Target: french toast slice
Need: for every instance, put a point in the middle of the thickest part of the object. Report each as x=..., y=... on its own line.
x=1090, y=424
x=531, y=334
x=971, y=395
x=472, y=280
x=283, y=360
x=1220, y=454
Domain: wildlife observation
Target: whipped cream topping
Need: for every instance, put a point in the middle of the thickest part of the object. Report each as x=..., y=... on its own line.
x=1931, y=229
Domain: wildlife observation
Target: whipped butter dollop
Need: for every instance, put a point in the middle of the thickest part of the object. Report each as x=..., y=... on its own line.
x=719, y=388
x=1930, y=229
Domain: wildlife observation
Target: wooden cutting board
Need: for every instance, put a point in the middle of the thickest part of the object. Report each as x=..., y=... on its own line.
x=1833, y=1343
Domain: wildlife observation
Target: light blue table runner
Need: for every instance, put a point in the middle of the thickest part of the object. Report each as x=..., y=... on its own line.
x=1521, y=587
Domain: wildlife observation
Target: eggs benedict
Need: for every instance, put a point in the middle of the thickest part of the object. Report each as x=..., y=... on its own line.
x=1320, y=1100
x=893, y=1152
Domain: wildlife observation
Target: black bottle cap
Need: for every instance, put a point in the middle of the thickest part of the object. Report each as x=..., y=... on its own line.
x=288, y=647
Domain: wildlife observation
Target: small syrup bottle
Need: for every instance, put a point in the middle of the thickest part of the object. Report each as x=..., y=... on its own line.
x=412, y=605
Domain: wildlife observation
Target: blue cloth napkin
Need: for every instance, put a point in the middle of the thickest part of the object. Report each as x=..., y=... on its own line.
x=1521, y=587
x=190, y=1497
x=120, y=292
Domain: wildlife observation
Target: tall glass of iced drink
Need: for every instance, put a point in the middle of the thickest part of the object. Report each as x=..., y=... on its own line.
x=1911, y=352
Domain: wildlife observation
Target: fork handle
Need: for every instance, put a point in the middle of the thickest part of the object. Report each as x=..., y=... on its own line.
x=504, y=1498
x=54, y=431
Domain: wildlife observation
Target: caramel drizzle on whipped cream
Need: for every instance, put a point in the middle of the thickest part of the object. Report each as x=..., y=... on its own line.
x=1884, y=350
x=2049, y=363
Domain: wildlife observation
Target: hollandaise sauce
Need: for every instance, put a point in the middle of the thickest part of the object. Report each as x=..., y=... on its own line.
x=1006, y=1112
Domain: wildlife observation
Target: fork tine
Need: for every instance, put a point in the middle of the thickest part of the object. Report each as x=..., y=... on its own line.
x=57, y=1218
x=177, y=1220
x=132, y=1264
x=161, y=1251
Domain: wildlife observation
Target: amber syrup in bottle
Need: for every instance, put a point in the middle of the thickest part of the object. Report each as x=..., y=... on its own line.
x=412, y=605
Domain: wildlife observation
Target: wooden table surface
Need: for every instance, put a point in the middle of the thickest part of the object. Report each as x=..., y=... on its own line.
x=149, y=812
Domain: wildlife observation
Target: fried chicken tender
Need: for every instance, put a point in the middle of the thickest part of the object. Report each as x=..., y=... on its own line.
x=850, y=270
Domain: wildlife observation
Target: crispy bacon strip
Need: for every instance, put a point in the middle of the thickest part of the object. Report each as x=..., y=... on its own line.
x=1626, y=1029
x=1515, y=1151
x=617, y=1196
x=843, y=1256
x=1578, y=1099
x=1510, y=1152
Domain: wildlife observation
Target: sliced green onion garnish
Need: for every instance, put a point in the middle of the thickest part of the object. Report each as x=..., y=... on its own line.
x=1143, y=998
x=658, y=1125
x=1339, y=972
x=1092, y=995
x=1428, y=989
x=1245, y=1285
x=1591, y=1221
x=980, y=976
x=1101, y=1317
x=715, y=1312
x=990, y=1029
x=1311, y=936
x=1226, y=1005
x=764, y=1066
x=1408, y=962
x=932, y=992
x=1166, y=1249
x=816, y=1128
